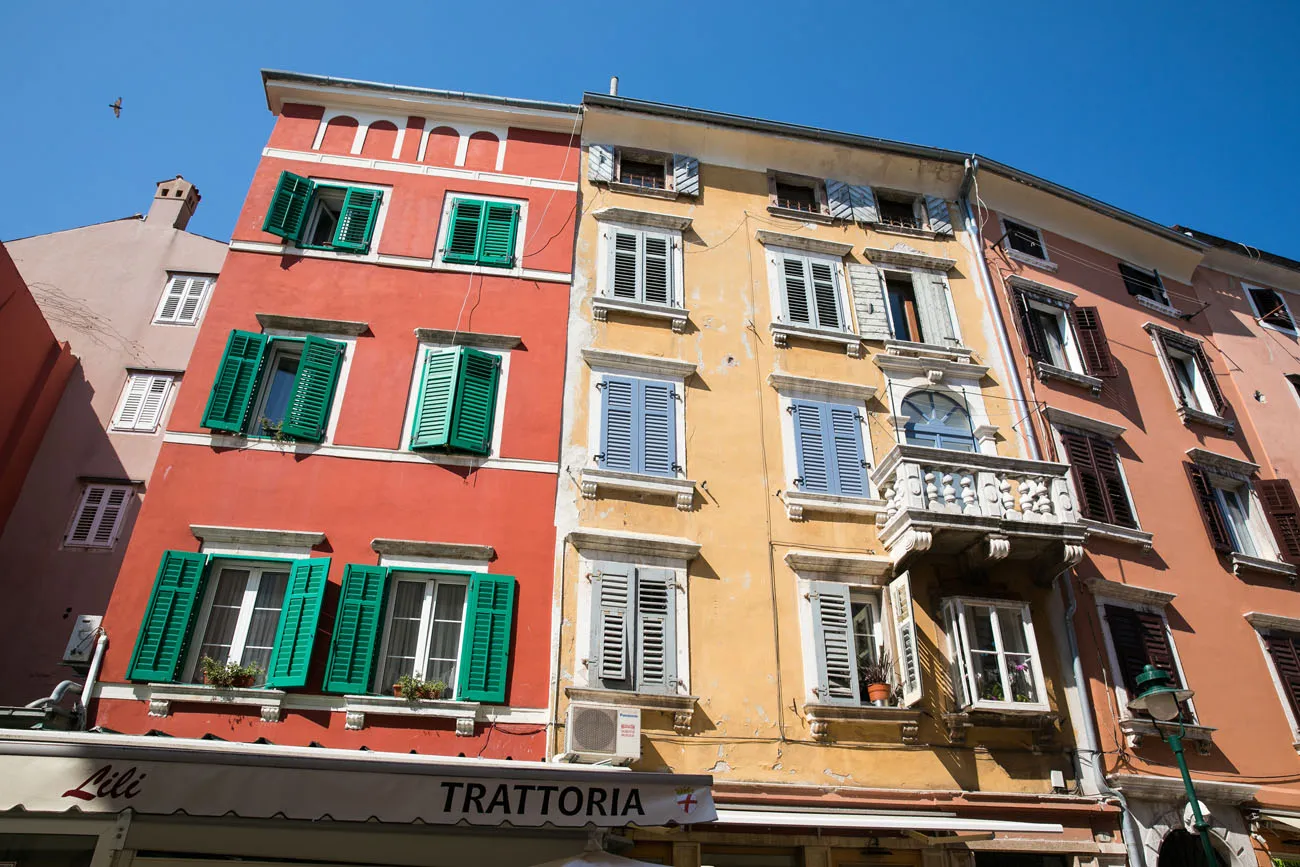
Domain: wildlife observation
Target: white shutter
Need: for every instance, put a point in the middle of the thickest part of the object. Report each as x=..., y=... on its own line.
x=931, y=291
x=110, y=514
x=128, y=413
x=937, y=209
x=624, y=253
x=193, y=301
x=905, y=638
x=837, y=658
x=868, y=286
x=686, y=175
x=600, y=162
x=154, y=399
x=172, y=297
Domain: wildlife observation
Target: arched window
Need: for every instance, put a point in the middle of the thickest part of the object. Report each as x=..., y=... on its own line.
x=936, y=420
x=1182, y=849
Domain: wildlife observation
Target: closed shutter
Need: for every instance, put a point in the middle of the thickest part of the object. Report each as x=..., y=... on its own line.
x=657, y=429
x=232, y=390
x=1093, y=346
x=610, y=660
x=357, y=219
x=1097, y=481
x=1215, y=525
x=299, y=616
x=656, y=269
x=810, y=448
x=825, y=296
x=143, y=403
x=656, y=631
x=932, y=309
x=840, y=200
x=308, y=412
x=497, y=247
x=868, y=287
x=686, y=175
x=1285, y=653
x=462, y=241
x=475, y=403
x=845, y=436
x=485, y=653
x=168, y=618
x=288, y=208
x=1030, y=328
x=172, y=297
x=194, y=292
x=600, y=162
x=940, y=220
x=1140, y=639
x=794, y=282
x=906, y=648
x=431, y=427
x=182, y=299
x=1283, y=516
x=1106, y=462
x=618, y=414
x=129, y=413
x=837, y=658
x=354, y=644
x=110, y=515
x=1208, y=377
x=624, y=270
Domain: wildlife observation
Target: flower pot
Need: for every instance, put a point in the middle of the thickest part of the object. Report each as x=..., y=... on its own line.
x=243, y=681
x=878, y=693
x=430, y=693
x=397, y=690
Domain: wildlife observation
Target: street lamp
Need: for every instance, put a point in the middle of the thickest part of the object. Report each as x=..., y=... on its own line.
x=1161, y=701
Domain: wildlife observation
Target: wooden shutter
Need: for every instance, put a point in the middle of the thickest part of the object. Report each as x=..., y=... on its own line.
x=168, y=618
x=485, y=653
x=357, y=219
x=624, y=264
x=462, y=241
x=1207, y=375
x=618, y=414
x=931, y=290
x=1208, y=503
x=1106, y=463
x=686, y=175
x=825, y=296
x=137, y=385
x=656, y=631
x=172, y=296
x=844, y=432
x=232, y=390
x=357, y=626
x=1283, y=516
x=1097, y=481
x=656, y=269
x=182, y=298
x=864, y=204
x=794, y=281
x=299, y=616
x=612, y=614
x=143, y=404
x=1030, y=330
x=837, y=658
x=308, y=412
x=1140, y=639
x=810, y=447
x=940, y=220
x=194, y=292
x=600, y=162
x=840, y=199
x=497, y=247
x=431, y=426
x=655, y=431
x=1093, y=346
x=906, y=650
x=868, y=287
x=288, y=209
x=474, y=408
x=1284, y=650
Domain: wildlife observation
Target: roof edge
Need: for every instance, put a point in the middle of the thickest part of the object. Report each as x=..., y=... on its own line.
x=1240, y=249
x=270, y=76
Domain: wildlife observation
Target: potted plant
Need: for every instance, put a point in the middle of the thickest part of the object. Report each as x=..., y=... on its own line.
x=407, y=687
x=875, y=676
x=991, y=689
x=432, y=689
x=227, y=675
x=273, y=429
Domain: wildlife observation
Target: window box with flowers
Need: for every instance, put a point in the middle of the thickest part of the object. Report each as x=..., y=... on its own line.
x=996, y=666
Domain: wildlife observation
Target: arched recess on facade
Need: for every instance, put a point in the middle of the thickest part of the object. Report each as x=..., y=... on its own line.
x=482, y=151
x=937, y=418
x=440, y=149
x=340, y=134
x=381, y=137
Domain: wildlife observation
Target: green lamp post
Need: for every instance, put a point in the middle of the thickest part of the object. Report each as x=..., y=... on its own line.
x=1158, y=699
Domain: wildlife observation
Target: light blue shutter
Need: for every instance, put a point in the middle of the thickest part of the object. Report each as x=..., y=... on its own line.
x=868, y=287
x=840, y=199
x=846, y=447
x=937, y=209
x=617, y=417
x=656, y=632
x=600, y=162
x=658, y=428
x=686, y=175
x=864, y=205
x=931, y=291
x=624, y=264
x=810, y=447
x=656, y=269
x=837, y=658
x=610, y=661
x=795, y=283
x=825, y=295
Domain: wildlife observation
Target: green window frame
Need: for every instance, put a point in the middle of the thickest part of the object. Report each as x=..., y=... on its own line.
x=293, y=209
x=456, y=400
x=481, y=232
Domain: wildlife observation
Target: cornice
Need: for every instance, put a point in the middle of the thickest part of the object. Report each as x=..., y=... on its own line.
x=631, y=362
x=1260, y=620
x=799, y=242
x=650, y=219
x=347, y=328
x=909, y=257
x=446, y=336
x=637, y=544
x=1223, y=463
x=1064, y=418
x=1102, y=588
x=828, y=387
x=212, y=535
x=432, y=550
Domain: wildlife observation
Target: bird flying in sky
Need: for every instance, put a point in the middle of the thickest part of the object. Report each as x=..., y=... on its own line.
x=117, y=107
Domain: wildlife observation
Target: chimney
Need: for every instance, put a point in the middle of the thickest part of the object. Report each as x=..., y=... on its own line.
x=173, y=203
x=613, y=85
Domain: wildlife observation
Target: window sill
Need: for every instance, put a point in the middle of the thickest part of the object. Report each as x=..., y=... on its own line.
x=682, y=491
x=912, y=349
x=1209, y=419
x=161, y=696
x=801, y=216
x=1136, y=730
x=820, y=717
x=1159, y=307
x=600, y=308
x=1244, y=562
x=1032, y=261
x=798, y=503
x=1051, y=371
x=1116, y=533
x=358, y=707
x=682, y=707
x=886, y=229
x=638, y=190
x=783, y=331
x=1036, y=718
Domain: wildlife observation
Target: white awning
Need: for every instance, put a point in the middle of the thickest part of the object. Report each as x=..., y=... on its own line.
x=879, y=821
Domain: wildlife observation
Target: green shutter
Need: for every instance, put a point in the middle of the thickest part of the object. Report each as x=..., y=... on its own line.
x=169, y=617
x=313, y=389
x=462, y=242
x=360, y=618
x=485, y=651
x=232, y=390
x=357, y=220
x=288, y=209
x=298, y=618
x=498, y=245
x=476, y=401
x=431, y=427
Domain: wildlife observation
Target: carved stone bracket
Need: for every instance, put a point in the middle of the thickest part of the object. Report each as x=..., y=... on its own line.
x=600, y=314
x=358, y=707
x=465, y=727
x=794, y=511
x=911, y=734
x=588, y=489
x=780, y=340
x=1137, y=730
x=160, y=707
x=821, y=729
x=957, y=724
x=820, y=717
x=1073, y=554
x=682, y=720
x=267, y=701
x=999, y=547
x=355, y=720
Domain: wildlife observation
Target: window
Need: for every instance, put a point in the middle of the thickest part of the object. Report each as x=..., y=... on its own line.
x=797, y=196
x=456, y=396
x=1283, y=650
x=640, y=266
x=638, y=429
x=1224, y=509
x=1144, y=284
x=1271, y=308
x=242, y=615
x=143, y=400
x=665, y=175
x=828, y=446
x=902, y=308
x=900, y=211
x=1140, y=637
x=1191, y=378
x=810, y=291
x=1098, y=479
x=936, y=420
x=1294, y=379
x=1024, y=239
x=633, y=628
x=641, y=169
x=481, y=232
x=1191, y=390
x=98, y=517
x=183, y=299
x=322, y=216
x=917, y=303
x=279, y=387
x=424, y=628
x=995, y=656
x=1283, y=513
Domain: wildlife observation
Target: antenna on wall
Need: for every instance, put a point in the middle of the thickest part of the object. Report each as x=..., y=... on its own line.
x=613, y=85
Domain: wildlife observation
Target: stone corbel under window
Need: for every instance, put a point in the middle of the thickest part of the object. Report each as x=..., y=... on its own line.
x=783, y=331
x=797, y=503
x=682, y=707
x=358, y=707
x=681, y=491
x=677, y=316
x=162, y=695
x=906, y=719
x=1042, y=723
x=1135, y=730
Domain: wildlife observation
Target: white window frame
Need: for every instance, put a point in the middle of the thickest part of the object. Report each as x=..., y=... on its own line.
x=1168, y=355
x=239, y=639
x=776, y=286
x=1250, y=288
x=1257, y=528
x=1073, y=362
x=1184, y=360
x=959, y=653
x=605, y=275
x=205, y=294
x=444, y=226
x=1030, y=258
x=859, y=591
x=595, y=419
x=127, y=492
x=340, y=387
x=431, y=578
x=789, y=446
x=381, y=217
x=413, y=395
x=1116, y=672
x=148, y=380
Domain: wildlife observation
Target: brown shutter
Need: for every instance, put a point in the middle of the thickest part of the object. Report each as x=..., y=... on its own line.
x=1286, y=660
x=1034, y=338
x=1106, y=463
x=1140, y=639
x=1211, y=384
x=1283, y=516
x=1087, y=481
x=1097, y=359
x=1209, y=506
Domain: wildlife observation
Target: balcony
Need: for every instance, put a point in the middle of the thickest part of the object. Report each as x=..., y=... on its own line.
x=986, y=507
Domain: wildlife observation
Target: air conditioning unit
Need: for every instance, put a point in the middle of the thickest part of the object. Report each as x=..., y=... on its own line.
x=81, y=644
x=603, y=733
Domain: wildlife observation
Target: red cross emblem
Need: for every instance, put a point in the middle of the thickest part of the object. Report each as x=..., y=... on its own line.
x=687, y=801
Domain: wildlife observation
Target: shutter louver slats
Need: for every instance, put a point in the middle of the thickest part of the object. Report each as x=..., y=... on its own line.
x=313, y=389
x=136, y=388
x=485, y=652
x=837, y=659
x=937, y=210
x=656, y=281
x=617, y=413
x=846, y=441
x=1097, y=358
x=624, y=282
x=612, y=589
x=462, y=242
x=232, y=389
x=431, y=427
x=357, y=219
x=868, y=287
x=176, y=288
x=87, y=515
x=1285, y=653
x=498, y=244
x=106, y=522
x=658, y=427
x=796, y=290
x=1139, y=639
x=357, y=625
x=151, y=406
x=824, y=295
x=600, y=162
x=1279, y=501
x=189, y=311
x=1106, y=465
x=905, y=639
x=474, y=413
x=686, y=175
x=810, y=448
x=288, y=209
x=1030, y=329
x=656, y=614
x=296, y=633
x=168, y=618
x=1215, y=525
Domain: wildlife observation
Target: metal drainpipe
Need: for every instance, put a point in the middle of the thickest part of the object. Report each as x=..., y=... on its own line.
x=1085, y=729
x=92, y=676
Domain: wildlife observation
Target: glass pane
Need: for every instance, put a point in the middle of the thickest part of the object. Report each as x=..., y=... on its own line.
x=988, y=677
x=1013, y=631
x=1186, y=380
x=404, y=633
x=900, y=296
x=1051, y=328
x=264, y=622
x=444, y=638
x=1235, y=511
x=279, y=386
x=980, y=618
x=1020, y=669
x=326, y=220
x=220, y=631
x=864, y=635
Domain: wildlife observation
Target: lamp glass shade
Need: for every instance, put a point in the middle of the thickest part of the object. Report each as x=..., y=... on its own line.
x=1162, y=705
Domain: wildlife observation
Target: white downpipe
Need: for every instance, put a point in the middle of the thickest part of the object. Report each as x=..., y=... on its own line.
x=92, y=677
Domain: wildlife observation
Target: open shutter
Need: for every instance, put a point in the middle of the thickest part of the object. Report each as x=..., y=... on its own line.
x=499, y=225
x=462, y=241
x=810, y=447
x=656, y=631
x=1088, y=486
x=840, y=199
x=686, y=175
x=937, y=209
x=313, y=389
x=864, y=205
x=474, y=415
x=299, y=617
x=1139, y=639
x=431, y=426
x=357, y=220
x=624, y=262
x=232, y=390
x=825, y=296
x=1283, y=516
x=846, y=446
x=137, y=387
x=610, y=661
x=288, y=208
x=1209, y=506
x=656, y=269
x=168, y=618
x=868, y=287
x=658, y=428
x=360, y=617
x=837, y=659
x=795, y=283
x=906, y=650
x=485, y=653
x=1097, y=359
x=1030, y=330
x=931, y=290
x=600, y=162
x=1208, y=377
x=1106, y=463
x=1286, y=662
x=618, y=415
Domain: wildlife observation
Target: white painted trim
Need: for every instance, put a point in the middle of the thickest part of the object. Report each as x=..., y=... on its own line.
x=412, y=262
x=960, y=643
x=1044, y=261
x=148, y=377
x=444, y=226
x=376, y=232
x=432, y=581
x=365, y=453
x=416, y=169
x=1259, y=314
x=210, y=281
x=776, y=290
x=243, y=620
x=676, y=263
x=341, y=384
x=412, y=395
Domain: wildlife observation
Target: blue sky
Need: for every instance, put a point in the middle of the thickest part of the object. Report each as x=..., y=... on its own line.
x=1179, y=111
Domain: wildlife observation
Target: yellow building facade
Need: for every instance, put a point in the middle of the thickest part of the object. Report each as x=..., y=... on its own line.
x=793, y=469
